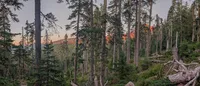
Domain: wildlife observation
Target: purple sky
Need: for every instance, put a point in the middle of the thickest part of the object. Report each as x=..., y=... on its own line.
x=62, y=12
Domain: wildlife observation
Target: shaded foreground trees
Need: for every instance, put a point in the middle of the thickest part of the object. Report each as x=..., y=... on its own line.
x=6, y=15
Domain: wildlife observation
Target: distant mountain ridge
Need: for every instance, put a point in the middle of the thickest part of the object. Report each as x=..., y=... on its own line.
x=72, y=41
x=69, y=41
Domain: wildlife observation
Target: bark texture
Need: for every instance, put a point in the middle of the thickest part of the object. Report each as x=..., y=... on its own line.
x=183, y=73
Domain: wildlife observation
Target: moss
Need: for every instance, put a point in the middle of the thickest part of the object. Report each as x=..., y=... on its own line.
x=82, y=79
x=188, y=51
x=144, y=64
x=160, y=82
x=154, y=82
x=152, y=71
x=147, y=77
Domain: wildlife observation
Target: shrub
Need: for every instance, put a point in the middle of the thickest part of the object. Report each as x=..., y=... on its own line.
x=4, y=81
x=188, y=51
x=82, y=79
x=168, y=54
x=145, y=64
x=123, y=73
x=152, y=71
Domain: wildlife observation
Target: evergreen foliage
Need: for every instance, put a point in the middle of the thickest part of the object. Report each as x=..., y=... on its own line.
x=103, y=53
x=50, y=69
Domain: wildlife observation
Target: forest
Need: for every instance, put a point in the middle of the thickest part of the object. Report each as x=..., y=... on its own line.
x=115, y=43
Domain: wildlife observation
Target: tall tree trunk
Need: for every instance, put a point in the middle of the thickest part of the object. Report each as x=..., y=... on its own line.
x=119, y=45
x=167, y=45
x=148, y=44
x=92, y=47
x=157, y=40
x=47, y=69
x=115, y=39
x=118, y=51
x=114, y=52
x=193, y=27
x=95, y=62
x=198, y=31
x=103, y=46
x=161, y=37
x=32, y=47
x=4, y=39
x=20, y=63
x=181, y=33
x=157, y=32
x=136, y=52
x=176, y=39
x=32, y=53
x=37, y=37
x=193, y=32
x=21, y=54
x=77, y=31
x=171, y=35
x=66, y=52
x=128, y=34
x=87, y=61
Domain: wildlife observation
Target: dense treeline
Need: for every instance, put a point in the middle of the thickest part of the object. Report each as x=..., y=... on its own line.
x=116, y=42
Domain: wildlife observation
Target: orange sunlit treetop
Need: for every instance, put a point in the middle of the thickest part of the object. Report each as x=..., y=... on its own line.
x=132, y=34
x=108, y=37
x=124, y=36
x=151, y=28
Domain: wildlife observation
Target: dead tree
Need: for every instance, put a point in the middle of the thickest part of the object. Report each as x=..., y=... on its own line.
x=183, y=73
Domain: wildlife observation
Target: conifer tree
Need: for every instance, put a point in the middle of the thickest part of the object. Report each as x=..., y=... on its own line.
x=6, y=15
x=50, y=69
x=21, y=56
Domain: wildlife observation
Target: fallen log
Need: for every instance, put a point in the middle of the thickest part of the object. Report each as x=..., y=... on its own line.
x=183, y=75
x=189, y=76
x=157, y=61
x=156, y=56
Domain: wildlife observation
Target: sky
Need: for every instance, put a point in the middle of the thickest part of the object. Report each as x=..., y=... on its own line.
x=61, y=12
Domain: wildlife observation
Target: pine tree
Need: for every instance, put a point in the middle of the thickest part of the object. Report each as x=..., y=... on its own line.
x=29, y=36
x=5, y=33
x=103, y=52
x=123, y=71
x=50, y=69
x=21, y=57
x=76, y=6
x=115, y=27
